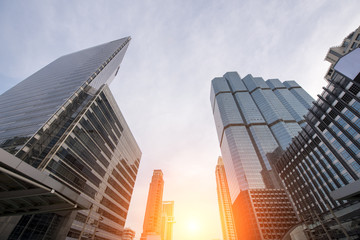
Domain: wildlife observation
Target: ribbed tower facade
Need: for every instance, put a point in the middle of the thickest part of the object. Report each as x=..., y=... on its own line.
x=253, y=117
x=152, y=219
x=64, y=121
x=321, y=167
x=224, y=200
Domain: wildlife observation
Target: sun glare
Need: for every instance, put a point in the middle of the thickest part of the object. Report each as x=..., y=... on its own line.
x=193, y=226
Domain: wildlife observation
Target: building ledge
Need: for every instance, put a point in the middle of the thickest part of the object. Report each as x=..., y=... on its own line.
x=348, y=192
x=26, y=190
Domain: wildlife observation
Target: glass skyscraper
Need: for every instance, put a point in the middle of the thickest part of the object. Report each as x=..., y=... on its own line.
x=321, y=167
x=253, y=117
x=224, y=200
x=64, y=121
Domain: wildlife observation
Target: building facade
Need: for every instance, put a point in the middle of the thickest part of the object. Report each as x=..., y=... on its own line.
x=224, y=200
x=321, y=167
x=128, y=234
x=351, y=42
x=64, y=121
x=167, y=220
x=263, y=213
x=152, y=219
x=253, y=118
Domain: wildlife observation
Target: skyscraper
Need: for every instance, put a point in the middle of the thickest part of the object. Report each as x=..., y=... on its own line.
x=321, y=167
x=152, y=219
x=167, y=220
x=253, y=118
x=224, y=200
x=64, y=121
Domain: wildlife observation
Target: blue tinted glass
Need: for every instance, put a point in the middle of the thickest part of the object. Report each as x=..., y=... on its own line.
x=349, y=114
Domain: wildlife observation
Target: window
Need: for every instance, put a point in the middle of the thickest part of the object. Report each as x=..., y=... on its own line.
x=356, y=105
x=332, y=114
x=341, y=122
x=335, y=129
x=356, y=167
x=336, y=145
x=339, y=106
x=354, y=89
x=328, y=136
x=358, y=37
x=351, y=131
x=344, y=138
x=354, y=45
x=339, y=166
x=357, y=123
x=117, y=70
x=347, y=98
x=349, y=114
x=354, y=149
x=347, y=177
x=346, y=155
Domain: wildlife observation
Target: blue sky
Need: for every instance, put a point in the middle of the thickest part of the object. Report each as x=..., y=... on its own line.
x=163, y=86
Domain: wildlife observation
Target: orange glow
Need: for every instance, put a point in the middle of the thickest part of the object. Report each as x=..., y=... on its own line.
x=193, y=226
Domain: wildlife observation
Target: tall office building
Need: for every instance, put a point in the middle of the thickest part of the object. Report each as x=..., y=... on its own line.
x=321, y=167
x=63, y=122
x=152, y=219
x=351, y=42
x=224, y=200
x=167, y=220
x=253, y=118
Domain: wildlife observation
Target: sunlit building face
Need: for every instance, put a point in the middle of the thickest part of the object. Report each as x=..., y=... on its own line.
x=153, y=213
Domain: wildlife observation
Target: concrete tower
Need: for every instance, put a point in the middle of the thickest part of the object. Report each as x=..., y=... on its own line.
x=167, y=220
x=152, y=220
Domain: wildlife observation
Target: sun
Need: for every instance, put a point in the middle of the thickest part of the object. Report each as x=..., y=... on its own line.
x=193, y=226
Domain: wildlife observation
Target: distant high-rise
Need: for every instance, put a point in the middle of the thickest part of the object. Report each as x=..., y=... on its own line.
x=225, y=206
x=152, y=219
x=167, y=220
x=64, y=122
x=253, y=118
x=351, y=42
x=321, y=167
